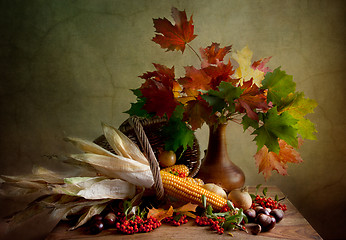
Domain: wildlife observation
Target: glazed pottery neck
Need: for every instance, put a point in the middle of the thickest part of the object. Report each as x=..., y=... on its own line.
x=217, y=167
x=217, y=145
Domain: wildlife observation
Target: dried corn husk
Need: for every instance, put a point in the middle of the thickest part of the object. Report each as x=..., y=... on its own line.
x=122, y=145
x=119, y=167
x=93, y=210
x=109, y=176
x=96, y=188
x=39, y=175
x=43, y=215
x=89, y=147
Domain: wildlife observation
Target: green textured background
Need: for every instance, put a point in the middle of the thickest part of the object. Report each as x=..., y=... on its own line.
x=67, y=66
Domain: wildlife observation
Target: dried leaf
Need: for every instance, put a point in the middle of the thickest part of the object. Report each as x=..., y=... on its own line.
x=160, y=213
x=189, y=207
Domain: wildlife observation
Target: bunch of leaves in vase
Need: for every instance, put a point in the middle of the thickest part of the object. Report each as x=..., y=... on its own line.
x=264, y=101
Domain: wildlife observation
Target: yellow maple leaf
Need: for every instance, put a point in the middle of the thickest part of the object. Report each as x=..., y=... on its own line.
x=245, y=72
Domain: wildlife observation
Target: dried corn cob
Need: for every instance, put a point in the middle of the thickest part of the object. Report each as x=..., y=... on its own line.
x=181, y=168
x=196, y=181
x=180, y=188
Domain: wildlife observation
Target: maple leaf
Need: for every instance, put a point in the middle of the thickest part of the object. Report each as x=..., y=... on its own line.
x=268, y=161
x=220, y=73
x=260, y=65
x=160, y=213
x=174, y=37
x=137, y=108
x=298, y=106
x=248, y=122
x=158, y=91
x=197, y=112
x=276, y=126
x=279, y=86
x=223, y=98
x=161, y=74
x=245, y=71
x=176, y=132
x=187, y=209
x=195, y=79
x=251, y=98
x=213, y=54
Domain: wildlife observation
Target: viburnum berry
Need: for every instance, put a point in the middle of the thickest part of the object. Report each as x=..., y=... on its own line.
x=267, y=203
x=176, y=219
x=137, y=225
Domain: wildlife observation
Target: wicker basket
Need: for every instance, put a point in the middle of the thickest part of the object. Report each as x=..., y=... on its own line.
x=146, y=133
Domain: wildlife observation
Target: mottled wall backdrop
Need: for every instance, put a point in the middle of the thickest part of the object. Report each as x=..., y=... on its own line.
x=67, y=66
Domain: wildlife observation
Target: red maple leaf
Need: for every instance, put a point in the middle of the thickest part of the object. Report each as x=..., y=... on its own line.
x=158, y=90
x=162, y=72
x=251, y=98
x=174, y=37
x=195, y=79
x=197, y=112
x=269, y=161
x=220, y=73
x=213, y=54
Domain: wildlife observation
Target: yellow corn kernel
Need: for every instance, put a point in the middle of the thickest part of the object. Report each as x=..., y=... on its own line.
x=186, y=191
x=181, y=168
x=197, y=181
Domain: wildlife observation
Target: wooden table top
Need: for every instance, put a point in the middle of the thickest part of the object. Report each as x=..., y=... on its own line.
x=293, y=226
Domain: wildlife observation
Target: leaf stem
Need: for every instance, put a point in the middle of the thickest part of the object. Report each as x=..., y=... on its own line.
x=194, y=51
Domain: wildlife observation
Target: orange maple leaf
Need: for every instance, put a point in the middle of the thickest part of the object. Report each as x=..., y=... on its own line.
x=160, y=213
x=220, y=73
x=213, y=54
x=269, y=161
x=195, y=79
x=174, y=37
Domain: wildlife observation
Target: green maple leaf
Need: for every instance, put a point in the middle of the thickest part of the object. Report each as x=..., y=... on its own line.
x=223, y=98
x=248, y=122
x=177, y=133
x=279, y=86
x=276, y=126
x=298, y=106
x=137, y=107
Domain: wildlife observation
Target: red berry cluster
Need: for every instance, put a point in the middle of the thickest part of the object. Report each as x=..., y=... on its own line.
x=215, y=225
x=176, y=220
x=268, y=203
x=177, y=173
x=119, y=221
x=138, y=225
x=202, y=221
x=225, y=209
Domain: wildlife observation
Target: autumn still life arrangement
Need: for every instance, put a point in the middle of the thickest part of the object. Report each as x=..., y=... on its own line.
x=113, y=184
